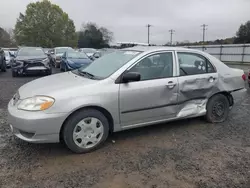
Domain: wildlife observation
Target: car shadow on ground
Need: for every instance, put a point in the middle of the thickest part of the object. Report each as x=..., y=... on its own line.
x=115, y=139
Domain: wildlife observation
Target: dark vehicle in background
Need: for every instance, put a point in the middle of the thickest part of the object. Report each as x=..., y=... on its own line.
x=2, y=61
x=57, y=53
x=30, y=60
x=74, y=60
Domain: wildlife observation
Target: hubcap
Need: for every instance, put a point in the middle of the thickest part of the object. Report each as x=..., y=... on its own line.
x=218, y=109
x=88, y=132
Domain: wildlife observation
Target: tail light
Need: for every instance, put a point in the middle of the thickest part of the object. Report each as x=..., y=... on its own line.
x=244, y=77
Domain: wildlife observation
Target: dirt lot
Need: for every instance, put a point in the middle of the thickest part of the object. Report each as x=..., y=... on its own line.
x=182, y=154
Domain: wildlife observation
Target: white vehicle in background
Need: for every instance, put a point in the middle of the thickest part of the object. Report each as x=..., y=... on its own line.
x=88, y=51
x=57, y=53
x=7, y=58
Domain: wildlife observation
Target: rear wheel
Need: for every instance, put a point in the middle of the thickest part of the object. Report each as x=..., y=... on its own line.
x=57, y=65
x=65, y=68
x=85, y=131
x=217, y=109
x=61, y=67
x=14, y=74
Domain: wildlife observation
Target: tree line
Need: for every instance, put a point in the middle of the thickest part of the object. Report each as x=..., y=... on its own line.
x=47, y=25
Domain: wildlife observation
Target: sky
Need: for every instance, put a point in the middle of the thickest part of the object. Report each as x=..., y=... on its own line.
x=127, y=19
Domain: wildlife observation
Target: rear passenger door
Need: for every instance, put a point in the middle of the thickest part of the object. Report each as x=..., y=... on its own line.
x=197, y=77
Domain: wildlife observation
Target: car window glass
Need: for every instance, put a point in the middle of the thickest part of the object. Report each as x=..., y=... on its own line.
x=77, y=55
x=192, y=64
x=106, y=65
x=31, y=51
x=155, y=66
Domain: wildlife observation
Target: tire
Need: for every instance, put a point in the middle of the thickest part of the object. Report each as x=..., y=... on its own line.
x=65, y=68
x=57, y=65
x=49, y=72
x=217, y=109
x=93, y=121
x=61, y=68
x=3, y=68
x=14, y=74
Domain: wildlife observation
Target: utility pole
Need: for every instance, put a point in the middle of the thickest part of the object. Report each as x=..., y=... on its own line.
x=171, y=36
x=148, y=26
x=204, y=26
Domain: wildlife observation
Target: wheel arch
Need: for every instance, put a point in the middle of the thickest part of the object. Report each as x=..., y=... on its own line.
x=105, y=112
x=227, y=94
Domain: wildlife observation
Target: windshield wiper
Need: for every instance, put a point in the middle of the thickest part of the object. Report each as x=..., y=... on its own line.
x=84, y=73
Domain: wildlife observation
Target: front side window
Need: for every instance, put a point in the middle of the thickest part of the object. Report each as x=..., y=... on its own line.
x=192, y=64
x=156, y=66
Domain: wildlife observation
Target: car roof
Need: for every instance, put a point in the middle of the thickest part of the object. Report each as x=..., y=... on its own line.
x=62, y=47
x=158, y=48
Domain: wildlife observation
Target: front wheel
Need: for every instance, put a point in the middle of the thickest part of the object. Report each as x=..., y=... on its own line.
x=49, y=72
x=14, y=74
x=217, y=109
x=85, y=131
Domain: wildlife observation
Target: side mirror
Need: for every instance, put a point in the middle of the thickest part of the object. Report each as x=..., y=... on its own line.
x=131, y=77
x=96, y=55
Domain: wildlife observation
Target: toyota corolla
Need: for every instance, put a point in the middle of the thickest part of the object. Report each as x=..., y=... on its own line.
x=122, y=90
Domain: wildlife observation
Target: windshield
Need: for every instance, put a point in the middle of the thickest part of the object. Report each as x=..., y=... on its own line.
x=77, y=55
x=61, y=50
x=31, y=52
x=88, y=50
x=108, y=64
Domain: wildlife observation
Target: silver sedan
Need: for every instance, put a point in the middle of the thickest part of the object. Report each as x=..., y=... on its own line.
x=122, y=90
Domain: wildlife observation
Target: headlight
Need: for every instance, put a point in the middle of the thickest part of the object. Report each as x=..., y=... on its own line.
x=37, y=103
x=17, y=63
x=45, y=60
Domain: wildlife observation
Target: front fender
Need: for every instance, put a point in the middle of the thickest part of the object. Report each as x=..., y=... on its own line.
x=107, y=101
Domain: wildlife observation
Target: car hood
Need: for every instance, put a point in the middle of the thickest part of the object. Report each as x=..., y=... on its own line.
x=80, y=61
x=23, y=58
x=54, y=85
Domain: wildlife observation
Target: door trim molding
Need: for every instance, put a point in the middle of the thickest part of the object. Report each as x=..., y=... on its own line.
x=160, y=106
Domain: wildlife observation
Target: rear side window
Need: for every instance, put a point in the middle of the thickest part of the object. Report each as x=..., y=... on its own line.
x=192, y=64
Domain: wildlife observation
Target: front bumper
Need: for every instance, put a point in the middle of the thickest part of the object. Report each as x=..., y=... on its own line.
x=8, y=63
x=31, y=69
x=35, y=127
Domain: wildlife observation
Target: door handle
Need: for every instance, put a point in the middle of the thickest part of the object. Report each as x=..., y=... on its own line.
x=211, y=79
x=171, y=84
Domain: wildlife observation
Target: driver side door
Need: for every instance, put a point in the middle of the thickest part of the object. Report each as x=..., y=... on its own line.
x=154, y=97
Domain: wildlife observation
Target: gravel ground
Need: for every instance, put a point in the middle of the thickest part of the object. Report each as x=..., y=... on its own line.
x=181, y=154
